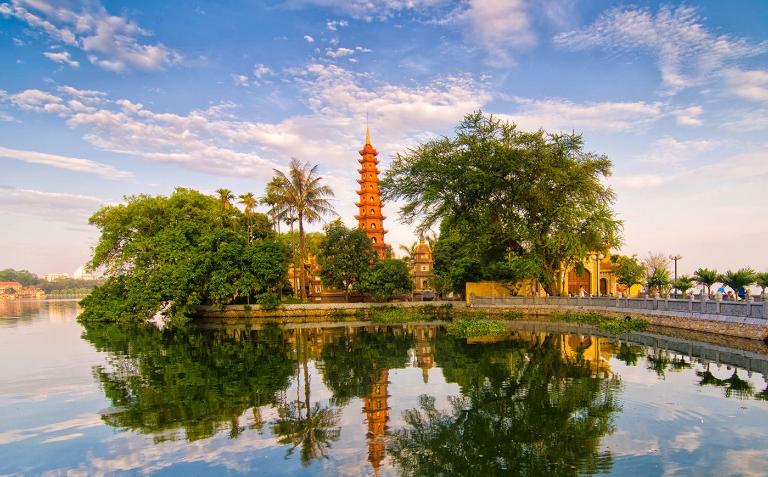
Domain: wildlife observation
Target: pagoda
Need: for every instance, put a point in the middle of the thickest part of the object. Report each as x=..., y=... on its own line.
x=369, y=217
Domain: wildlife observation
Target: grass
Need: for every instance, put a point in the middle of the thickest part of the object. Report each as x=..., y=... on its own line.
x=398, y=316
x=469, y=327
x=606, y=323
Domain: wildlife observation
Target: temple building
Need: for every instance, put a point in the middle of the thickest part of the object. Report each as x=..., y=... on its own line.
x=369, y=217
x=422, y=266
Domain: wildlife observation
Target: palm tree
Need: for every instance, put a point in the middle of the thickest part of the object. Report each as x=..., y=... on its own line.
x=410, y=252
x=761, y=280
x=249, y=203
x=273, y=198
x=706, y=277
x=683, y=284
x=225, y=197
x=741, y=278
x=308, y=196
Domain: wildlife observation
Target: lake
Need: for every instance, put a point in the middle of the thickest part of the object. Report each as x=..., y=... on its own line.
x=341, y=399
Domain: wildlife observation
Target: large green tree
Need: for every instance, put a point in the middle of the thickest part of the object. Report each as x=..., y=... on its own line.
x=345, y=256
x=304, y=192
x=385, y=279
x=514, y=194
x=629, y=271
x=171, y=254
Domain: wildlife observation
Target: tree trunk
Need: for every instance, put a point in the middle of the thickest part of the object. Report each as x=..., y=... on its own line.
x=303, y=254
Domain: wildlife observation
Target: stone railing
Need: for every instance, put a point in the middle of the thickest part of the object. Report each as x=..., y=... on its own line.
x=663, y=306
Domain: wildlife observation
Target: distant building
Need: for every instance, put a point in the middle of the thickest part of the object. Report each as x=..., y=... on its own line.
x=52, y=277
x=10, y=290
x=82, y=274
x=31, y=293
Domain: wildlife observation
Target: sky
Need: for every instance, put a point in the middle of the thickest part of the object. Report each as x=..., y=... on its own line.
x=99, y=100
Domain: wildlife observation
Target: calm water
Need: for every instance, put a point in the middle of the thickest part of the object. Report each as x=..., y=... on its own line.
x=363, y=400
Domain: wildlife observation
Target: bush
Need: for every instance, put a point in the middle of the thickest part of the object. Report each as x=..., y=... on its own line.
x=269, y=301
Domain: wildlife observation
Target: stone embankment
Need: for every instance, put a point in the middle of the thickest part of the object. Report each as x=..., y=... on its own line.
x=741, y=319
x=314, y=312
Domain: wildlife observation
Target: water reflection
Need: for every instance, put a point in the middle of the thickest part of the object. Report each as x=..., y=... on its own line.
x=528, y=403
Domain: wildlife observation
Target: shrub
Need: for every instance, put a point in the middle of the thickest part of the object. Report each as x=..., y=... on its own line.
x=269, y=301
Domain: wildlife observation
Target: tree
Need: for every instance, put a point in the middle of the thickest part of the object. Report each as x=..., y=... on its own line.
x=225, y=198
x=272, y=198
x=386, y=278
x=345, y=256
x=683, y=284
x=741, y=278
x=249, y=207
x=535, y=196
x=304, y=191
x=657, y=275
x=706, y=277
x=172, y=254
x=629, y=271
x=659, y=281
x=410, y=252
x=761, y=280
x=24, y=277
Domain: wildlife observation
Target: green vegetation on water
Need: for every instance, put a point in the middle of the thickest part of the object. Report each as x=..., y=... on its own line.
x=396, y=315
x=469, y=327
x=605, y=323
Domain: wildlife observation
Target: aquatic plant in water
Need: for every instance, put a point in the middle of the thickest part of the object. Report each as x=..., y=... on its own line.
x=468, y=327
x=605, y=323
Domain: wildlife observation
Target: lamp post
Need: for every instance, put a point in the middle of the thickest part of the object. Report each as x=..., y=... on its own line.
x=675, y=258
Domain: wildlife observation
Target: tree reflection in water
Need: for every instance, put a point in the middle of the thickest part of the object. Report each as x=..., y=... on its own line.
x=525, y=409
x=316, y=428
x=161, y=382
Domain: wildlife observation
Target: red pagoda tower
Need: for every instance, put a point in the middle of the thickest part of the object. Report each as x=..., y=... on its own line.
x=369, y=217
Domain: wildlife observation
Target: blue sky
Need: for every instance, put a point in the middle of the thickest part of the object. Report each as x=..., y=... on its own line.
x=100, y=100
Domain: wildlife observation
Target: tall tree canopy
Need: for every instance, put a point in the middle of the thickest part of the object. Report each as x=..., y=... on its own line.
x=171, y=254
x=345, y=256
x=510, y=195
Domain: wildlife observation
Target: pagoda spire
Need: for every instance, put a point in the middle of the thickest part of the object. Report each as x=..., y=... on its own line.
x=369, y=216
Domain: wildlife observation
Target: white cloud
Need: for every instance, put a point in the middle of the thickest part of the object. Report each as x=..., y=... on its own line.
x=686, y=52
x=564, y=115
x=57, y=206
x=61, y=57
x=689, y=116
x=86, y=95
x=240, y=80
x=639, y=181
x=754, y=120
x=309, y=39
x=334, y=25
x=112, y=42
x=498, y=26
x=339, y=53
x=749, y=85
x=672, y=152
x=261, y=70
x=64, y=162
x=34, y=99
